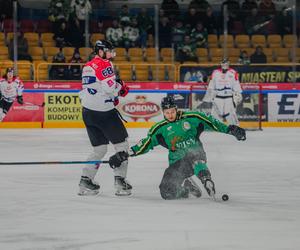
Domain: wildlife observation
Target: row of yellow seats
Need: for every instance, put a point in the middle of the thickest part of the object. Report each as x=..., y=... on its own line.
x=43, y=39
x=245, y=41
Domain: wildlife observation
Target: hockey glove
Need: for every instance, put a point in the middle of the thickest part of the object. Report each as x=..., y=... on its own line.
x=116, y=101
x=20, y=99
x=116, y=160
x=124, y=90
x=239, y=133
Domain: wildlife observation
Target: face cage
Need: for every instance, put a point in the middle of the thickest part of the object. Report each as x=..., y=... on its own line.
x=225, y=66
x=112, y=52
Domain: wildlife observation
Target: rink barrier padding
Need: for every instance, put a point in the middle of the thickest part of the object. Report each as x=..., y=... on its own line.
x=18, y=125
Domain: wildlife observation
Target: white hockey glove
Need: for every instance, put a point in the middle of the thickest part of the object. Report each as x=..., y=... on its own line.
x=237, y=99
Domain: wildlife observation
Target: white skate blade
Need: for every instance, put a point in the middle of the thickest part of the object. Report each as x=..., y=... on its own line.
x=87, y=192
x=123, y=192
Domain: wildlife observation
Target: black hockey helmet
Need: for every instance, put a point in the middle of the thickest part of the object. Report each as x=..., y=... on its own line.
x=168, y=102
x=103, y=45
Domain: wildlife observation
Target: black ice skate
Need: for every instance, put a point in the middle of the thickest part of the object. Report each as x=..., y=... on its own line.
x=192, y=187
x=123, y=188
x=88, y=187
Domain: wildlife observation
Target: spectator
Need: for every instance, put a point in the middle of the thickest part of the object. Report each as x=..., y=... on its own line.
x=61, y=36
x=75, y=36
x=233, y=11
x=145, y=24
x=100, y=27
x=164, y=33
x=199, y=36
x=58, y=13
x=6, y=9
x=124, y=16
x=200, y=6
x=258, y=56
x=59, y=72
x=267, y=9
x=131, y=34
x=115, y=34
x=191, y=18
x=80, y=10
x=22, y=48
x=247, y=6
x=284, y=22
x=254, y=23
x=244, y=58
x=187, y=51
x=210, y=21
x=74, y=70
x=178, y=32
x=171, y=8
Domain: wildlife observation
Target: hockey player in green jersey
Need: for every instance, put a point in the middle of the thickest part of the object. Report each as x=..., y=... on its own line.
x=179, y=132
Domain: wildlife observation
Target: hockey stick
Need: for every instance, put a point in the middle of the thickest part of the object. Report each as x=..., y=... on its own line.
x=51, y=162
x=34, y=104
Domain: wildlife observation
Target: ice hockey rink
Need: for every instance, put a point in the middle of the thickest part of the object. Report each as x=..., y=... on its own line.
x=40, y=208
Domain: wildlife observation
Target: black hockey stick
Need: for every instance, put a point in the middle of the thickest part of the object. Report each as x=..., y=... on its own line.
x=51, y=162
x=35, y=104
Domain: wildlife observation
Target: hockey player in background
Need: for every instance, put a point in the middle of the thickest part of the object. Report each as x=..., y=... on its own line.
x=99, y=96
x=11, y=88
x=223, y=94
x=179, y=133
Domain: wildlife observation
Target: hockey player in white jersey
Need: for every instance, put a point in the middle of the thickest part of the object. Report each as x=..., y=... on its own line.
x=224, y=93
x=11, y=88
x=99, y=96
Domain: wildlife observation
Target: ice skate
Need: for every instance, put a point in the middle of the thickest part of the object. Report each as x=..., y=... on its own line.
x=123, y=188
x=210, y=187
x=192, y=187
x=88, y=187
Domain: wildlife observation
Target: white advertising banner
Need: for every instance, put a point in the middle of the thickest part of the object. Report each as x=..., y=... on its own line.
x=284, y=107
x=141, y=107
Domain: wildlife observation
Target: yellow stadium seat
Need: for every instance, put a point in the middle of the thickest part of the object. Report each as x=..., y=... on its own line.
x=68, y=52
x=233, y=54
x=121, y=55
x=269, y=53
x=258, y=40
x=250, y=51
x=50, y=52
x=163, y=73
x=4, y=53
x=274, y=41
x=125, y=71
x=229, y=41
x=41, y=70
x=167, y=54
x=202, y=54
x=151, y=55
x=25, y=70
x=212, y=41
x=141, y=72
x=216, y=54
x=47, y=39
x=96, y=36
x=85, y=52
x=135, y=54
x=2, y=39
x=242, y=41
x=288, y=41
x=36, y=53
x=282, y=54
x=32, y=38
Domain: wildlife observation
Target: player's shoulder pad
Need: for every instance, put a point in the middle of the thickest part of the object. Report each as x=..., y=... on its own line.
x=234, y=72
x=157, y=126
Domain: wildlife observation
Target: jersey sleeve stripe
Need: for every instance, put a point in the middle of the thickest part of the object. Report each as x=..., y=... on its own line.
x=203, y=119
x=146, y=144
x=156, y=127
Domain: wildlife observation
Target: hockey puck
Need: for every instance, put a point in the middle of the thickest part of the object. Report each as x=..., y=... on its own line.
x=225, y=197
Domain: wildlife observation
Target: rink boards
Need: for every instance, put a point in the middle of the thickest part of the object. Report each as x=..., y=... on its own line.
x=47, y=106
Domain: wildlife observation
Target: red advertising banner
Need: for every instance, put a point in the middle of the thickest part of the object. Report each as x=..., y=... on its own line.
x=30, y=111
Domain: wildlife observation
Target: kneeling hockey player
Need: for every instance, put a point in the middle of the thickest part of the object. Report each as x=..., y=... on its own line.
x=179, y=132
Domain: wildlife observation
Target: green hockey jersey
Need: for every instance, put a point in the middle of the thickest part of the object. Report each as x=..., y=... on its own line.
x=181, y=136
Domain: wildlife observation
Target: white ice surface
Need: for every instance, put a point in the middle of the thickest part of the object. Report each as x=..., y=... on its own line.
x=39, y=207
